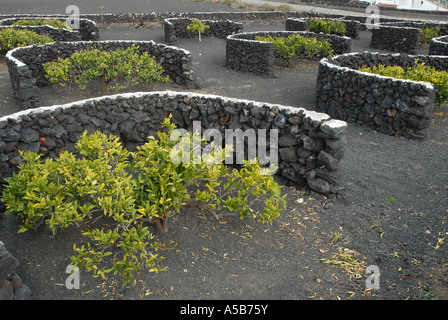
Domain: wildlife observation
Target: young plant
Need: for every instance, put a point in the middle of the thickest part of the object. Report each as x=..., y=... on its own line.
x=197, y=26
x=327, y=26
x=11, y=38
x=109, y=66
x=426, y=34
x=298, y=46
x=128, y=190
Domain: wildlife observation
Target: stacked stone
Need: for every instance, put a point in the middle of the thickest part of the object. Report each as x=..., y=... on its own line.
x=352, y=26
x=341, y=3
x=251, y=56
x=25, y=64
x=391, y=106
x=177, y=28
x=310, y=144
x=443, y=26
x=11, y=286
x=244, y=53
x=88, y=31
x=395, y=39
x=439, y=46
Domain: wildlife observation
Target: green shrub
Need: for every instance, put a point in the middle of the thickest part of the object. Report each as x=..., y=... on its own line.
x=298, y=46
x=426, y=34
x=417, y=72
x=129, y=189
x=109, y=66
x=11, y=38
x=327, y=26
x=41, y=22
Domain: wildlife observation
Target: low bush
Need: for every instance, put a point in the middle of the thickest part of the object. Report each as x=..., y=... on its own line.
x=11, y=38
x=426, y=34
x=41, y=22
x=327, y=26
x=417, y=72
x=298, y=46
x=128, y=190
x=109, y=66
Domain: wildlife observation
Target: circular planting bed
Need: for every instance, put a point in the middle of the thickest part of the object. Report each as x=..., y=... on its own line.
x=392, y=106
x=88, y=30
x=352, y=26
x=244, y=53
x=439, y=46
x=25, y=64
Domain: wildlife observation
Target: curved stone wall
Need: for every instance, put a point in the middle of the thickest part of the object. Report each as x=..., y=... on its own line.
x=88, y=31
x=309, y=145
x=391, y=106
x=177, y=28
x=420, y=24
x=395, y=39
x=245, y=54
x=27, y=74
x=439, y=46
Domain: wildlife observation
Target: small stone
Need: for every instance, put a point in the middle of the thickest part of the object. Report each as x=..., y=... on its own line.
x=288, y=154
x=328, y=161
x=280, y=121
x=333, y=127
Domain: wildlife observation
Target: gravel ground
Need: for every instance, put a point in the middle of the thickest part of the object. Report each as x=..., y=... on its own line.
x=391, y=214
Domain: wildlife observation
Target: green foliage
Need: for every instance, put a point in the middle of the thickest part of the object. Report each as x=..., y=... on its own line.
x=417, y=72
x=129, y=189
x=11, y=38
x=197, y=26
x=327, y=26
x=109, y=66
x=426, y=34
x=41, y=22
x=297, y=45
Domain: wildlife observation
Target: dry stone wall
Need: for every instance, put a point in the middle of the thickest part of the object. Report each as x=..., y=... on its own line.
x=309, y=146
x=439, y=46
x=395, y=39
x=391, y=106
x=25, y=64
x=88, y=30
x=244, y=53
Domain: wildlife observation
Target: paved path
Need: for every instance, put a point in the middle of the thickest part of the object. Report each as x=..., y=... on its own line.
x=347, y=11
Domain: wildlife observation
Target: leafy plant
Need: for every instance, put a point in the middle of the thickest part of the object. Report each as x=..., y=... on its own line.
x=128, y=190
x=417, y=72
x=297, y=45
x=11, y=38
x=327, y=26
x=41, y=22
x=109, y=66
x=197, y=26
x=426, y=34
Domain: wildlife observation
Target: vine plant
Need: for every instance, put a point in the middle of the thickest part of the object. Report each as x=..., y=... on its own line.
x=130, y=190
